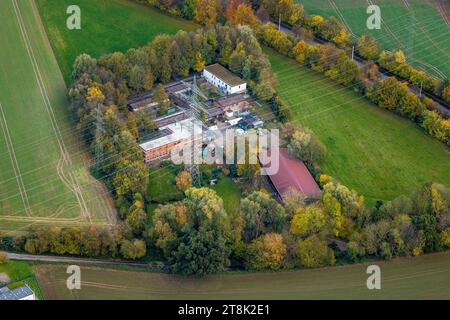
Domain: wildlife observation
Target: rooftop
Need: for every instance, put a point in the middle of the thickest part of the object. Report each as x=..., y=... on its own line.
x=293, y=173
x=225, y=75
x=231, y=99
x=176, y=87
x=172, y=133
x=141, y=101
x=17, y=293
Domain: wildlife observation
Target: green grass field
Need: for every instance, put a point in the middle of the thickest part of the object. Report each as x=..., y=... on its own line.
x=418, y=278
x=161, y=184
x=415, y=26
x=370, y=150
x=230, y=194
x=43, y=171
x=106, y=26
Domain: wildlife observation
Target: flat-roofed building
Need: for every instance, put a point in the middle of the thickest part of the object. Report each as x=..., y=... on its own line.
x=20, y=293
x=234, y=103
x=223, y=79
x=142, y=102
x=160, y=147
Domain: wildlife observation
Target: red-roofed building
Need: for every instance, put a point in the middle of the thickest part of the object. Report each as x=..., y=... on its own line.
x=293, y=173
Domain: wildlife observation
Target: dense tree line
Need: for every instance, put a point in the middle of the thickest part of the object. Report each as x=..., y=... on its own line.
x=89, y=241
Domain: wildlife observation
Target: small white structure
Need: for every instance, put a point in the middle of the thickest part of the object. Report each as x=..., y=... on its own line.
x=224, y=80
x=20, y=293
x=233, y=122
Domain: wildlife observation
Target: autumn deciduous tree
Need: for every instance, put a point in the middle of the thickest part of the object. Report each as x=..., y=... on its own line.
x=446, y=92
x=161, y=98
x=305, y=145
x=183, y=181
x=261, y=214
x=199, y=63
x=95, y=96
x=231, y=9
x=445, y=238
x=368, y=47
x=135, y=249
x=314, y=253
x=3, y=258
x=436, y=126
x=84, y=64
x=267, y=252
x=168, y=220
x=131, y=177
x=137, y=218
x=300, y=50
x=309, y=220
x=206, y=12
x=243, y=14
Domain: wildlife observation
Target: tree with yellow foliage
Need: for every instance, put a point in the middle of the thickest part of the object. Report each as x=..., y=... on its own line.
x=244, y=15
x=95, y=95
x=309, y=220
x=199, y=63
x=314, y=252
x=206, y=12
x=315, y=22
x=267, y=252
x=183, y=180
x=300, y=50
x=446, y=92
x=445, y=237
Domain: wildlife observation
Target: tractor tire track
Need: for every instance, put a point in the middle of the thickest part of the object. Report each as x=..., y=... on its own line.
x=47, y=103
x=14, y=162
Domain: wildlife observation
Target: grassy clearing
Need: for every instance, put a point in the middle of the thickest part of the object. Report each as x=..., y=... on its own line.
x=414, y=26
x=373, y=151
x=417, y=278
x=20, y=273
x=106, y=26
x=230, y=194
x=38, y=185
x=161, y=186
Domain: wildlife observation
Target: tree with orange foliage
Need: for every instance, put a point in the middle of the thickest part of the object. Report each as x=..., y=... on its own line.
x=206, y=12
x=231, y=9
x=244, y=15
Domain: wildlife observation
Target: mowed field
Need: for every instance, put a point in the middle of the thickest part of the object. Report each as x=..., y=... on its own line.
x=415, y=278
x=106, y=26
x=373, y=151
x=44, y=175
x=421, y=28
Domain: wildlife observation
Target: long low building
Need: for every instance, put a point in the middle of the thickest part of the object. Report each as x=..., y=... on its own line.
x=20, y=293
x=233, y=103
x=170, y=136
x=223, y=79
x=292, y=173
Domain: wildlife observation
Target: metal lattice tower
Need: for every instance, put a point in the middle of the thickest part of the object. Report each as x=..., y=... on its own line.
x=192, y=167
x=98, y=140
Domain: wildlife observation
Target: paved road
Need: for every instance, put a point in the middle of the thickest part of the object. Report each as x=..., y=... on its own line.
x=382, y=74
x=73, y=260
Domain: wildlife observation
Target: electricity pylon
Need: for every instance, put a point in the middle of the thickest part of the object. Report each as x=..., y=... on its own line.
x=192, y=167
x=98, y=139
